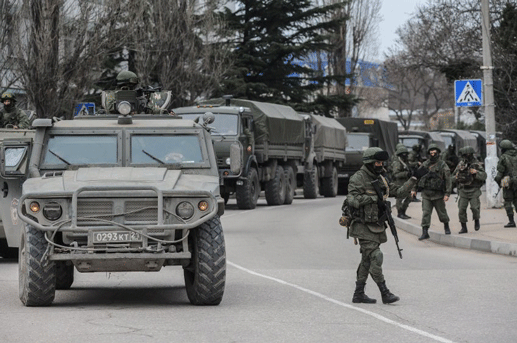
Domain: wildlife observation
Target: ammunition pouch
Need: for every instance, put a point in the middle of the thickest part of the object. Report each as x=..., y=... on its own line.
x=432, y=181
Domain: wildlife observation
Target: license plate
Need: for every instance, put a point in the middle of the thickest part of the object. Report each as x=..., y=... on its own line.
x=116, y=237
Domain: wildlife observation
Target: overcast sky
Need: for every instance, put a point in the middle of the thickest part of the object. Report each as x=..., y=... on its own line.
x=394, y=13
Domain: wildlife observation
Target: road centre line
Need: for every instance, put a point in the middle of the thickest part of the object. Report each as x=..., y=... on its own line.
x=351, y=307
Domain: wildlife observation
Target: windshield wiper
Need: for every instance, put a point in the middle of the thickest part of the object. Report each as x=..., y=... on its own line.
x=153, y=157
x=59, y=157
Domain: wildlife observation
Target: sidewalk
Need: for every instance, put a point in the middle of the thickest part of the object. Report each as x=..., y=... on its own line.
x=492, y=237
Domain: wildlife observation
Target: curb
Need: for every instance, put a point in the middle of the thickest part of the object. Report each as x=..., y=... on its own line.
x=456, y=241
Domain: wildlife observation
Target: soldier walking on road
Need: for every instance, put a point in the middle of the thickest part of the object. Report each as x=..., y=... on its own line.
x=507, y=178
x=11, y=116
x=400, y=173
x=470, y=176
x=436, y=189
x=368, y=224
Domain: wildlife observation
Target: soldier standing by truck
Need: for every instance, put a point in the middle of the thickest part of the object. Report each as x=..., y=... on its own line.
x=368, y=223
x=507, y=178
x=400, y=173
x=436, y=189
x=415, y=160
x=11, y=116
x=470, y=176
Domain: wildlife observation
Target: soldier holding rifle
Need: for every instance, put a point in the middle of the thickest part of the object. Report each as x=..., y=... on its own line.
x=365, y=213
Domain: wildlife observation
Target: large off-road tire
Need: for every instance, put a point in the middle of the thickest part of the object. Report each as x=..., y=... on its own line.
x=290, y=184
x=37, y=278
x=248, y=193
x=7, y=252
x=275, y=188
x=329, y=185
x=205, y=276
x=311, y=186
x=64, y=275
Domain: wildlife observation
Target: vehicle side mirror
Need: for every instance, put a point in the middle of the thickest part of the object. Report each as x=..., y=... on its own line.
x=236, y=158
x=14, y=160
x=208, y=118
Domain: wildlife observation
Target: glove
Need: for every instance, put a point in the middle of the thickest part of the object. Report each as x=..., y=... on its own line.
x=420, y=172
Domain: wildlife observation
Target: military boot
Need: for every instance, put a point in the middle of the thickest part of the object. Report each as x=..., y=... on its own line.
x=425, y=234
x=511, y=223
x=446, y=228
x=463, y=228
x=477, y=226
x=402, y=215
x=359, y=296
x=387, y=296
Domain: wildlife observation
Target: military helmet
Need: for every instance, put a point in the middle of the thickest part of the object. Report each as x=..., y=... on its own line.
x=402, y=150
x=467, y=150
x=399, y=145
x=434, y=146
x=374, y=154
x=505, y=144
x=127, y=77
x=8, y=96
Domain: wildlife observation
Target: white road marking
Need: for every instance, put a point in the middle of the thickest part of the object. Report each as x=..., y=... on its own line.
x=351, y=307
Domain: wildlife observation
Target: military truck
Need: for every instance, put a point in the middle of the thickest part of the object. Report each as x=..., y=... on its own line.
x=109, y=194
x=277, y=150
x=423, y=138
x=363, y=133
x=9, y=244
x=459, y=139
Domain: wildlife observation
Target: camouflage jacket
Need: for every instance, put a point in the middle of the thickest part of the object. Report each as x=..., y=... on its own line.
x=14, y=118
x=507, y=166
x=469, y=184
x=451, y=159
x=414, y=158
x=438, y=182
x=400, y=171
x=362, y=199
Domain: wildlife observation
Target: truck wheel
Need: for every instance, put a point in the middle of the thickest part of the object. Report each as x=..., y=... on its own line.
x=275, y=188
x=206, y=274
x=290, y=185
x=64, y=275
x=248, y=193
x=311, y=183
x=7, y=252
x=329, y=185
x=37, y=278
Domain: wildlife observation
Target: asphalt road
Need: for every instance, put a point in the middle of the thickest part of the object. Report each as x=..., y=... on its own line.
x=290, y=278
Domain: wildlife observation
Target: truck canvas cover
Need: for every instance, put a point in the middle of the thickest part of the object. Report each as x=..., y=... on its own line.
x=329, y=133
x=275, y=124
x=386, y=132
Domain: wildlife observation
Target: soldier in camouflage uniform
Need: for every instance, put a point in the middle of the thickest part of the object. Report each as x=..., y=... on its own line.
x=470, y=176
x=126, y=80
x=10, y=115
x=400, y=173
x=507, y=178
x=415, y=160
x=365, y=225
x=436, y=189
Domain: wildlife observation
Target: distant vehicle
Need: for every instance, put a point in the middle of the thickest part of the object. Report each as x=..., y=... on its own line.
x=424, y=138
x=107, y=194
x=363, y=133
x=460, y=139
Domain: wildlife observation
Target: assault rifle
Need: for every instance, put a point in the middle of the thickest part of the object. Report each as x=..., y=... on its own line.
x=386, y=214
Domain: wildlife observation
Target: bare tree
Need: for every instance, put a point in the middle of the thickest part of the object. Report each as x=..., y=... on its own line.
x=176, y=43
x=355, y=42
x=59, y=46
x=8, y=75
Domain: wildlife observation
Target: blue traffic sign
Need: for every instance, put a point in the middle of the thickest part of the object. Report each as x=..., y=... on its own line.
x=468, y=93
x=84, y=109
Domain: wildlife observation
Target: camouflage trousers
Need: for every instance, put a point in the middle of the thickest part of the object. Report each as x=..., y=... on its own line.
x=475, y=207
x=371, y=261
x=510, y=198
x=403, y=203
x=427, y=209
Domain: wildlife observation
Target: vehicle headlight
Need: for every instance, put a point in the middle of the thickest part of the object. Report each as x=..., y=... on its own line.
x=185, y=210
x=124, y=107
x=228, y=161
x=34, y=206
x=52, y=211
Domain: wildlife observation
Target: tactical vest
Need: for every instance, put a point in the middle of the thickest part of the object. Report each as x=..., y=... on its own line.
x=433, y=181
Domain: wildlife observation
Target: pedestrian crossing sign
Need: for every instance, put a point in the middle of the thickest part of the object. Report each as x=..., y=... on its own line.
x=468, y=93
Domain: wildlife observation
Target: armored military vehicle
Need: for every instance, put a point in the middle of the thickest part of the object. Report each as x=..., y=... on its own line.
x=108, y=194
